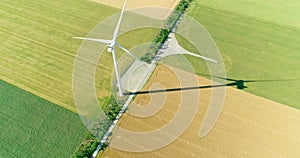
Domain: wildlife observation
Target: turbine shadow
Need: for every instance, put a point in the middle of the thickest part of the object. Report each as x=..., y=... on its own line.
x=179, y=89
x=240, y=84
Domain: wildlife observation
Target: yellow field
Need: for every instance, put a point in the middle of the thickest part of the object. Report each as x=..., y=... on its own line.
x=249, y=126
x=139, y=3
x=155, y=8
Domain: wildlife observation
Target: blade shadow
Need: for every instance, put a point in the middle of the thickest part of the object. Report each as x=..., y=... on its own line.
x=241, y=83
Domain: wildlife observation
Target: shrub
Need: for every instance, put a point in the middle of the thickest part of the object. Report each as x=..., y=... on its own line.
x=86, y=149
x=112, y=109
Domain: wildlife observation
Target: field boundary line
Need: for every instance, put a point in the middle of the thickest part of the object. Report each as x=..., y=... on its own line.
x=34, y=92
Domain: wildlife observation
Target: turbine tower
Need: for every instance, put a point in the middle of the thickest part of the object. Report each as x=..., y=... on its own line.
x=111, y=47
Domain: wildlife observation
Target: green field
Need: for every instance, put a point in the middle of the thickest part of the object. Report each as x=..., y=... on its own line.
x=255, y=45
x=277, y=11
x=33, y=127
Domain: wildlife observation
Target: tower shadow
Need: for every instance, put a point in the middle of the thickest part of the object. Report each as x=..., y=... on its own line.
x=179, y=89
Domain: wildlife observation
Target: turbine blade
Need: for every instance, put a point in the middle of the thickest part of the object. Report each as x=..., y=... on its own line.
x=117, y=72
x=127, y=51
x=94, y=39
x=203, y=57
x=119, y=23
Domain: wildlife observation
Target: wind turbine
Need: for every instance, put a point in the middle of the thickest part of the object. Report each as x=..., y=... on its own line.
x=111, y=45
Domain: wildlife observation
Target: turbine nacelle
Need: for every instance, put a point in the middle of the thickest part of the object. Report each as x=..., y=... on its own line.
x=110, y=48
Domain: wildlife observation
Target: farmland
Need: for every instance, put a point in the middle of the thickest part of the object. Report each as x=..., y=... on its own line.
x=259, y=41
x=38, y=52
x=37, y=55
x=162, y=8
x=250, y=126
x=33, y=127
x=280, y=12
x=137, y=3
x=255, y=47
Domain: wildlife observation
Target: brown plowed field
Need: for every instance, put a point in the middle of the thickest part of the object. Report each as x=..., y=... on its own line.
x=249, y=126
